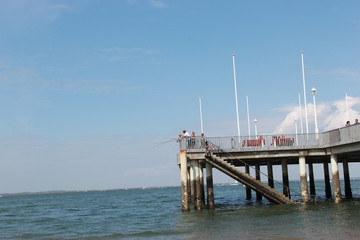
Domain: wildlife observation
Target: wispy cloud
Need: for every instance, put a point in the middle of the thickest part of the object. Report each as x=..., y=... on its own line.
x=157, y=3
x=28, y=78
x=62, y=6
x=22, y=14
x=340, y=72
x=118, y=53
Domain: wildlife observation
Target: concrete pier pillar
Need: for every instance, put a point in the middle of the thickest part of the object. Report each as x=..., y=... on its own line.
x=311, y=179
x=198, y=202
x=192, y=183
x=184, y=182
x=335, y=178
x=209, y=187
x=285, y=177
x=270, y=174
x=327, y=180
x=303, y=180
x=188, y=184
x=257, y=174
x=202, y=185
x=248, y=190
x=348, y=193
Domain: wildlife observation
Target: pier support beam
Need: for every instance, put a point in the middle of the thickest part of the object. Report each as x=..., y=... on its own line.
x=198, y=200
x=209, y=187
x=201, y=171
x=184, y=182
x=188, y=183
x=257, y=174
x=303, y=180
x=327, y=179
x=270, y=174
x=335, y=178
x=285, y=177
x=348, y=193
x=311, y=180
x=248, y=190
x=192, y=183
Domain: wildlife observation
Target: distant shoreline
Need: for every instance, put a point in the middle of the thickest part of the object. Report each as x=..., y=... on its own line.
x=77, y=191
x=117, y=189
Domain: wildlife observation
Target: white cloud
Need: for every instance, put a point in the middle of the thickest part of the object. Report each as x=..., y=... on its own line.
x=330, y=115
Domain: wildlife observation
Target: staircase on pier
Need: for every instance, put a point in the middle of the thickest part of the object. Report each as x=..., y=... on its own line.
x=271, y=194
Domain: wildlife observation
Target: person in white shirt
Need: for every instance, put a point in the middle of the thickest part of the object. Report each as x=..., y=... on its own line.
x=187, y=136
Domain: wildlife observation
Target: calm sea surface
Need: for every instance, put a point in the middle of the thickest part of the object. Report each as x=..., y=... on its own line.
x=156, y=214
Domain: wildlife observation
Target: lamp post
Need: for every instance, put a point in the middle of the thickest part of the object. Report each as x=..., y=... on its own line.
x=296, y=132
x=255, y=122
x=313, y=91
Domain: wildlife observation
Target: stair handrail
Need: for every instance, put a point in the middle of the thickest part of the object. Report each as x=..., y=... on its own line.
x=213, y=148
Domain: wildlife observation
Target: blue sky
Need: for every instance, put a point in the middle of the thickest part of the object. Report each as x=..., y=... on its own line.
x=90, y=90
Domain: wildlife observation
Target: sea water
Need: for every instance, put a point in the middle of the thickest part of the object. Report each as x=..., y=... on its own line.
x=155, y=213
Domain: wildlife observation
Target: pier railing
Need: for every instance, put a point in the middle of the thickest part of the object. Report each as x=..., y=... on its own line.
x=334, y=137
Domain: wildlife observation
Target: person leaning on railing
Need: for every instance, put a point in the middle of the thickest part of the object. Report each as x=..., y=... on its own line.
x=202, y=141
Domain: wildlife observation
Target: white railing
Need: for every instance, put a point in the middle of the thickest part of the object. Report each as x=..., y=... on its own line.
x=275, y=141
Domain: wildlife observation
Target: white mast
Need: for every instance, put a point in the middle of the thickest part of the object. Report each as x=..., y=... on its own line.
x=305, y=108
x=301, y=121
x=236, y=99
x=248, y=115
x=201, y=119
x=347, y=107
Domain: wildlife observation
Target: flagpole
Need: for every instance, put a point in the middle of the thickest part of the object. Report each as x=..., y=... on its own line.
x=347, y=107
x=305, y=107
x=201, y=118
x=248, y=115
x=301, y=120
x=236, y=99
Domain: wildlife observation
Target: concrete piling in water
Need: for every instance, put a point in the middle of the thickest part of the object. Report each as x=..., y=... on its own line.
x=348, y=193
x=188, y=184
x=335, y=178
x=198, y=196
x=184, y=182
x=285, y=177
x=327, y=179
x=248, y=190
x=192, y=183
x=257, y=174
x=202, y=191
x=209, y=187
x=311, y=179
x=270, y=174
x=303, y=180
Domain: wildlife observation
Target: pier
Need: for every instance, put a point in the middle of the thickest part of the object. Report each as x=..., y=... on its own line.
x=231, y=154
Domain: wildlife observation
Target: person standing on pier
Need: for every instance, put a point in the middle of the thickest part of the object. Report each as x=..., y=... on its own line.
x=192, y=140
x=187, y=136
x=202, y=141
